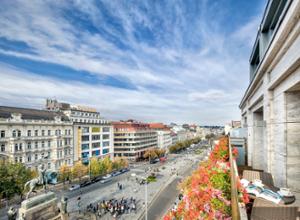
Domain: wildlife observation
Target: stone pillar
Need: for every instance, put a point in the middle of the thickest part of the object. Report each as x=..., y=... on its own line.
x=278, y=163
x=250, y=145
x=258, y=140
x=293, y=139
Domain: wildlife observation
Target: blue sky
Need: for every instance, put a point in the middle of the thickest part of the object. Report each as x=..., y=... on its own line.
x=155, y=60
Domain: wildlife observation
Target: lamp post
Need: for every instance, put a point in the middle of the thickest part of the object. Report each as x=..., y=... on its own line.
x=146, y=193
x=89, y=159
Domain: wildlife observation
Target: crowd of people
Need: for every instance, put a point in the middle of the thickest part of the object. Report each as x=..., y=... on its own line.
x=113, y=206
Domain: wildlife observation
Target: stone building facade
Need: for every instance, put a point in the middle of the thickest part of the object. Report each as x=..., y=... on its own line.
x=164, y=138
x=270, y=107
x=35, y=137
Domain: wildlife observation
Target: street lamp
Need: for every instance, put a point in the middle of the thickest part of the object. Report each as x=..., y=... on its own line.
x=146, y=192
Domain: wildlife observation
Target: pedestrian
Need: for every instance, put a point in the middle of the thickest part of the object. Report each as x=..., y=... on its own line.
x=79, y=203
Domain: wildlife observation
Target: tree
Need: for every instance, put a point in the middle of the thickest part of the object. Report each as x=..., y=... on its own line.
x=150, y=154
x=116, y=165
x=79, y=170
x=123, y=162
x=107, y=164
x=13, y=176
x=102, y=168
x=160, y=152
x=181, y=145
x=94, y=166
x=119, y=162
x=65, y=172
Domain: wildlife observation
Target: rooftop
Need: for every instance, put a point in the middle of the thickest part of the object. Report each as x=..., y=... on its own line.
x=31, y=114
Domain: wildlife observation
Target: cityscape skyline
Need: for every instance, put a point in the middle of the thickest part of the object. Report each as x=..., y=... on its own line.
x=154, y=109
x=149, y=61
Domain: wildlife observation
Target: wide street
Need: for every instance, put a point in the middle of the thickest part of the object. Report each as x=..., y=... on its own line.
x=166, y=198
x=161, y=194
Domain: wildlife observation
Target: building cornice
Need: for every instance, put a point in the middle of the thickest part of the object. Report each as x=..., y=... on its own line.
x=274, y=48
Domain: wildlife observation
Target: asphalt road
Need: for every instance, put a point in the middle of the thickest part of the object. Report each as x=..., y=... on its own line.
x=168, y=196
x=164, y=200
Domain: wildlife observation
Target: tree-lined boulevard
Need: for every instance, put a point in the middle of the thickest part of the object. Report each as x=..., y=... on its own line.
x=167, y=175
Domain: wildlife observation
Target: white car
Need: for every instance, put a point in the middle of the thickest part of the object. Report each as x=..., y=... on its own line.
x=107, y=176
x=106, y=180
x=74, y=187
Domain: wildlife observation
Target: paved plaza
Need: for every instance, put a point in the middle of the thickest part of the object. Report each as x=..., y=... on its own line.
x=168, y=175
x=170, y=171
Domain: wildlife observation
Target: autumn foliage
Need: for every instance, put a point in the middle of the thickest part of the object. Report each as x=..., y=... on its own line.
x=207, y=192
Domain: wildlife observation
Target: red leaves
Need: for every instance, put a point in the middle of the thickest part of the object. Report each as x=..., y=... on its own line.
x=235, y=152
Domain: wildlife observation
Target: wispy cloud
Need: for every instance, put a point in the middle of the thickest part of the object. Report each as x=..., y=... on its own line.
x=177, y=55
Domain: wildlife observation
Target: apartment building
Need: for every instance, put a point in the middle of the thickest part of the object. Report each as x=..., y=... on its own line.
x=164, y=138
x=132, y=139
x=34, y=137
x=270, y=107
x=174, y=137
x=93, y=135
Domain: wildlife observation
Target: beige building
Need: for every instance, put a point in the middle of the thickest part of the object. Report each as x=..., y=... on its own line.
x=271, y=104
x=132, y=139
x=164, y=138
x=35, y=137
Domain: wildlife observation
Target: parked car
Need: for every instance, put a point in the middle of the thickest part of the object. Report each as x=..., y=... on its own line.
x=163, y=159
x=74, y=187
x=154, y=160
x=106, y=180
x=124, y=170
x=96, y=179
x=85, y=183
x=116, y=173
x=107, y=176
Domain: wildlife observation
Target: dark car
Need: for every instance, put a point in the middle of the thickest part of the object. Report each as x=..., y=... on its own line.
x=124, y=170
x=153, y=161
x=116, y=173
x=96, y=179
x=85, y=183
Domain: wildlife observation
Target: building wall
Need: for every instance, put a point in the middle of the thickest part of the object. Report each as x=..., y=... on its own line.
x=274, y=146
x=58, y=146
x=93, y=140
x=293, y=138
x=133, y=144
x=164, y=139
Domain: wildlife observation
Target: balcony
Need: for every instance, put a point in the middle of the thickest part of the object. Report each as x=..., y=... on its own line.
x=215, y=191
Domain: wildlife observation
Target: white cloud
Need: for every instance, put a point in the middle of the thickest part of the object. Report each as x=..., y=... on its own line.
x=211, y=95
x=247, y=33
x=173, y=81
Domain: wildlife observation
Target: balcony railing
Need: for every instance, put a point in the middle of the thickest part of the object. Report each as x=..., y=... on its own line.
x=237, y=212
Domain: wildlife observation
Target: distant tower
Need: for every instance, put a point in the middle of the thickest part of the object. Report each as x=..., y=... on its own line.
x=52, y=105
